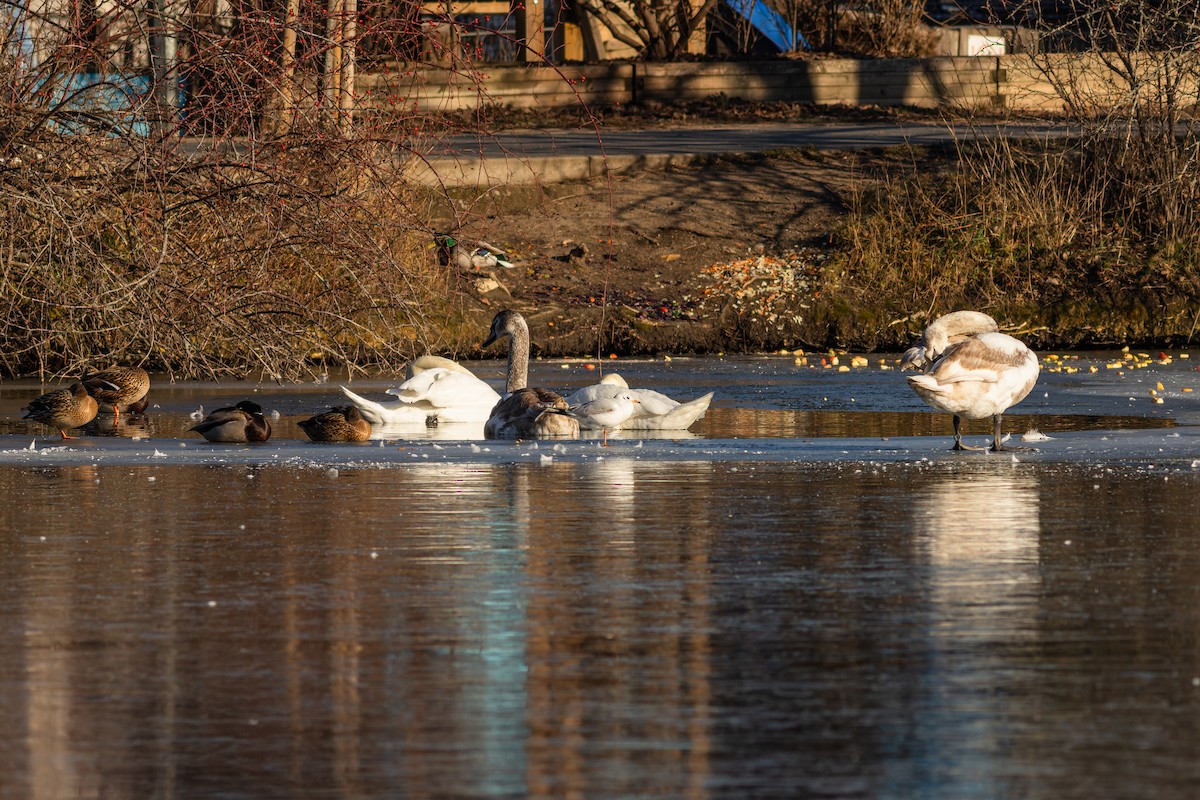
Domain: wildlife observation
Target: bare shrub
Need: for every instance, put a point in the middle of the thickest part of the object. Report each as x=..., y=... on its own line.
x=886, y=29
x=215, y=211
x=1100, y=219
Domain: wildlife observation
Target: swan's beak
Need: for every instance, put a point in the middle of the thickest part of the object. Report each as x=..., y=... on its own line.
x=489, y=340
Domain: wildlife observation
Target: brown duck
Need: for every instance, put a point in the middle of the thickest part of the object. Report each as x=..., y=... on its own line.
x=341, y=424
x=63, y=409
x=131, y=394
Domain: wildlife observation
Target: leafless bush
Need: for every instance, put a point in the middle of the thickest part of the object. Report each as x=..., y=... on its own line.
x=1131, y=91
x=1098, y=219
x=886, y=29
x=209, y=205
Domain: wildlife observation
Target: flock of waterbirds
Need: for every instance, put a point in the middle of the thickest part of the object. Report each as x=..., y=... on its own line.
x=966, y=367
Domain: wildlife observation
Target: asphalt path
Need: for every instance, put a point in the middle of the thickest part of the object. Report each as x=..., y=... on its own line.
x=722, y=139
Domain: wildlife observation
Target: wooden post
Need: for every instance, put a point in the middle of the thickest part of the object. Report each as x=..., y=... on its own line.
x=531, y=28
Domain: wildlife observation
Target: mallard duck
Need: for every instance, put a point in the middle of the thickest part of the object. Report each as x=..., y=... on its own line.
x=481, y=256
x=131, y=394
x=240, y=423
x=654, y=411
x=63, y=409
x=436, y=390
x=971, y=371
x=341, y=424
x=605, y=413
x=525, y=412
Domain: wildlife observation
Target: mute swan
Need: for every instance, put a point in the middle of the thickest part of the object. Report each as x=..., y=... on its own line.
x=241, y=423
x=654, y=410
x=341, y=424
x=525, y=412
x=63, y=409
x=131, y=394
x=436, y=390
x=480, y=257
x=973, y=371
x=605, y=413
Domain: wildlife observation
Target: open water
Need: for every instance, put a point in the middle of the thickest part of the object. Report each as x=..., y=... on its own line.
x=807, y=596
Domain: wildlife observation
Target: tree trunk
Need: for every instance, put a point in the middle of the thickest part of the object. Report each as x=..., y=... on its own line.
x=332, y=88
x=287, y=68
x=346, y=100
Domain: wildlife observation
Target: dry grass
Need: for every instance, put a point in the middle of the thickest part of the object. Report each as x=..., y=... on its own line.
x=1023, y=230
x=274, y=266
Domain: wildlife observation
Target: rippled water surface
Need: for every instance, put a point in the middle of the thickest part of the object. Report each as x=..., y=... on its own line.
x=852, y=613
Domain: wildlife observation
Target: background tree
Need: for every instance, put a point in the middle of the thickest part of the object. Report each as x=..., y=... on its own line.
x=659, y=30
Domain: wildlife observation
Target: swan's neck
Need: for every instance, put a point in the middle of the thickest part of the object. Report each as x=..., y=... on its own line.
x=518, y=359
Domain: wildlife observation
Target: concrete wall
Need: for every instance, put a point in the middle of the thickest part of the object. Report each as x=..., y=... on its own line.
x=1009, y=81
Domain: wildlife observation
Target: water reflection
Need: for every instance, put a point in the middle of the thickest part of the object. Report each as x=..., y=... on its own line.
x=748, y=423
x=979, y=530
x=604, y=628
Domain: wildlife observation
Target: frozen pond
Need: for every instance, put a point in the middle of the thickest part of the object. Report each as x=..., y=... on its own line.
x=807, y=596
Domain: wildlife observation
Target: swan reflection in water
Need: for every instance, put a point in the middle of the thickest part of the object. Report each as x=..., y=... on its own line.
x=978, y=535
x=473, y=432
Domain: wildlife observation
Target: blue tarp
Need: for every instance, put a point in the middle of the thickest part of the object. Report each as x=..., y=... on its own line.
x=771, y=24
x=92, y=101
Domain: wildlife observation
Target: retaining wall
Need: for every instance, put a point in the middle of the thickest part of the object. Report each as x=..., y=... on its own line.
x=979, y=82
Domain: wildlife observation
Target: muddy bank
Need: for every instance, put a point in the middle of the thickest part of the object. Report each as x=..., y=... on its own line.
x=594, y=331
x=734, y=255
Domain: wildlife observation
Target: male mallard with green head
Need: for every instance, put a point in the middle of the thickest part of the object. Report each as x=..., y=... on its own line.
x=237, y=424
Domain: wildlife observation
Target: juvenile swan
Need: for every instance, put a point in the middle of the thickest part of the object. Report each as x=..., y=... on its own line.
x=971, y=370
x=525, y=413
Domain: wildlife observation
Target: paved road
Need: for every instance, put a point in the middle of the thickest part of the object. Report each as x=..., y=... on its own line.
x=553, y=156
x=725, y=139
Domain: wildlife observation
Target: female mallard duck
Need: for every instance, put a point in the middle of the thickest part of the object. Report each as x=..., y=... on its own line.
x=131, y=394
x=971, y=370
x=436, y=390
x=525, y=413
x=63, y=409
x=654, y=411
x=341, y=424
x=241, y=423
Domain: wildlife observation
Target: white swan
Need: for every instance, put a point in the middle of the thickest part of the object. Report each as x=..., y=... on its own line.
x=654, y=410
x=526, y=412
x=437, y=390
x=605, y=413
x=971, y=371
